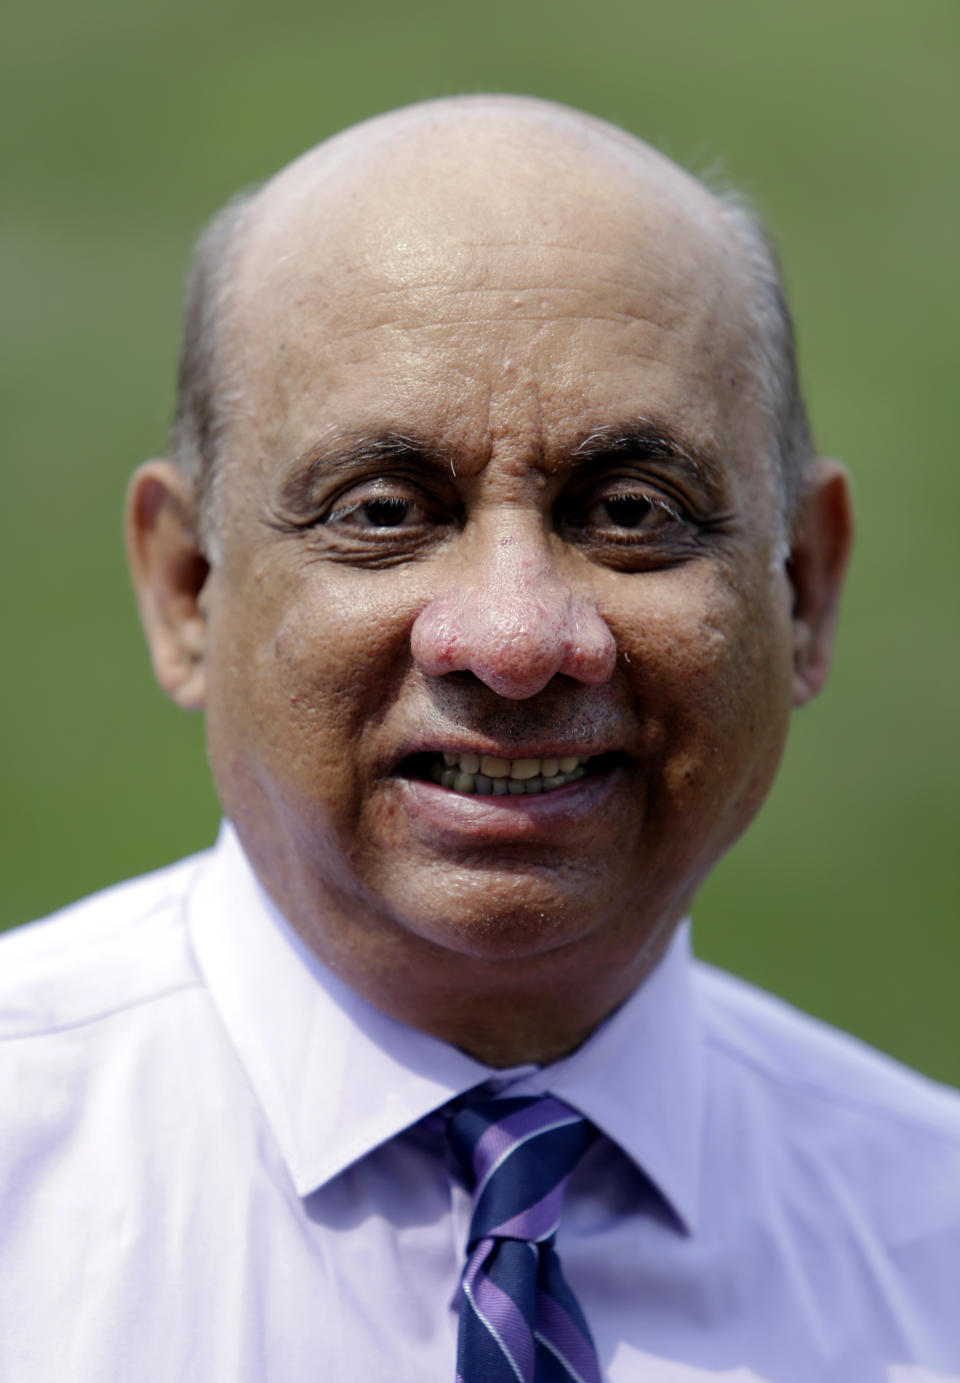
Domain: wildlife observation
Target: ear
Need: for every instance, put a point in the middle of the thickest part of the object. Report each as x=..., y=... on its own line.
x=169, y=570
x=822, y=535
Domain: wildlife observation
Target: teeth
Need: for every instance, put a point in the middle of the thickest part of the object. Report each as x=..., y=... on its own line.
x=489, y=775
x=493, y=767
x=525, y=768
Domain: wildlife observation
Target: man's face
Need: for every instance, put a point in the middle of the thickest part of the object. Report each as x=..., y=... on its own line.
x=498, y=491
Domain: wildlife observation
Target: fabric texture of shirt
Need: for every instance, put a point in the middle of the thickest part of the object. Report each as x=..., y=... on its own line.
x=217, y=1167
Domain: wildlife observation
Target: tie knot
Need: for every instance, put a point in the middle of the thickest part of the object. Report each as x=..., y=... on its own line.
x=517, y=1155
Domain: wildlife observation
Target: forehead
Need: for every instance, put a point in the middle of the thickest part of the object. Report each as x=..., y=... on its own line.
x=505, y=288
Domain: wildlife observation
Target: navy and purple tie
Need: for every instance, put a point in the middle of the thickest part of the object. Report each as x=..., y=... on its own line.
x=519, y=1321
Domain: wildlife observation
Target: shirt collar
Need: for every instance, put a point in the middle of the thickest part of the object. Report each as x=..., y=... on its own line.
x=336, y=1077
x=638, y=1079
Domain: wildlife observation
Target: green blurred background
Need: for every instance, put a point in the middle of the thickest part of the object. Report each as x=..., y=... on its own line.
x=126, y=124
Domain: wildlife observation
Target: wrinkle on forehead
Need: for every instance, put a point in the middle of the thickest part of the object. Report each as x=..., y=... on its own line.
x=401, y=271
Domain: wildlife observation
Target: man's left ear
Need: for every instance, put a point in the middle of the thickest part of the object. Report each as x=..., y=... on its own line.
x=169, y=571
x=821, y=537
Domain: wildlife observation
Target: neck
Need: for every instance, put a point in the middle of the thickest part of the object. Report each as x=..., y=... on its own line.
x=503, y=1013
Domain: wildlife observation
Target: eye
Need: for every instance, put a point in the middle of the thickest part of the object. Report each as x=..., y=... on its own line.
x=631, y=522
x=630, y=511
x=369, y=510
x=386, y=512
x=379, y=504
x=621, y=507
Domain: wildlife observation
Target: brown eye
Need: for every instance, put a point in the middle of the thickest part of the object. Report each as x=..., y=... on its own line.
x=377, y=510
x=627, y=511
x=387, y=512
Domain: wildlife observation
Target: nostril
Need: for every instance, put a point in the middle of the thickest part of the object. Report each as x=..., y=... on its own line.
x=436, y=640
x=514, y=647
x=591, y=654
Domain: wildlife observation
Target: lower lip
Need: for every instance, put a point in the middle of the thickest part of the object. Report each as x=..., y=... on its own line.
x=441, y=812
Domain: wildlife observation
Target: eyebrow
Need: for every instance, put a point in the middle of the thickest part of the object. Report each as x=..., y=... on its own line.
x=343, y=454
x=648, y=438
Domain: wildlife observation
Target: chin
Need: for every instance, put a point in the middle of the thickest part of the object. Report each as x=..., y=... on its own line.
x=502, y=915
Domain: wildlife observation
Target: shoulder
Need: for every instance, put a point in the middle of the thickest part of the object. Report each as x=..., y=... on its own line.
x=124, y=946
x=835, y=1123
x=804, y=1059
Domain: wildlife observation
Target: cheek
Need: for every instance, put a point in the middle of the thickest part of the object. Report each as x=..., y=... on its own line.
x=339, y=651
x=307, y=663
x=710, y=670
x=278, y=659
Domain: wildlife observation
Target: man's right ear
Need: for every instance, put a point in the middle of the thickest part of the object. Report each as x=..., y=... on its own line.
x=169, y=571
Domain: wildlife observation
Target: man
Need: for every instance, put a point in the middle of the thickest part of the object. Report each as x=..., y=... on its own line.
x=494, y=550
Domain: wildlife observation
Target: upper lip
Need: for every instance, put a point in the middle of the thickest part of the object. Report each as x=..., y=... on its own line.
x=550, y=729
x=528, y=749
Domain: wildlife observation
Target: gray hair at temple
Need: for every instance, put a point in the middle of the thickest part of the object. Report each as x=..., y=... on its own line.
x=206, y=401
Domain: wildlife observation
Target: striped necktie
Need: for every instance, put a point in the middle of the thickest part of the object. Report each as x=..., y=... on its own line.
x=519, y=1321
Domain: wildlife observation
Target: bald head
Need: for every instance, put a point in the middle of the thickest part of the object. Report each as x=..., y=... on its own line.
x=494, y=156
x=477, y=190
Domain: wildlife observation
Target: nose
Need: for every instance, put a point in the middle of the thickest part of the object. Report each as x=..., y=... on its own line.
x=509, y=617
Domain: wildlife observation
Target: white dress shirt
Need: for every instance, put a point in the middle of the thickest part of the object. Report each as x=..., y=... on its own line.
x=213, y=1169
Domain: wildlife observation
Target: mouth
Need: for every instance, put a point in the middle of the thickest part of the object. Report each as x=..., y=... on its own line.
x=488, y=775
